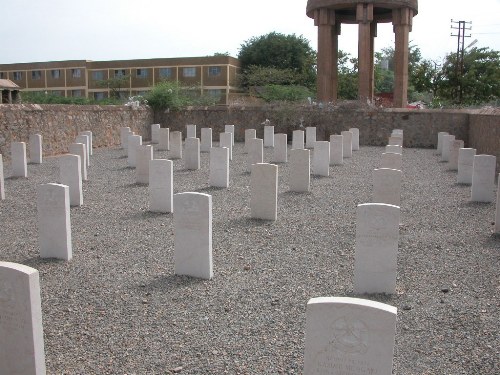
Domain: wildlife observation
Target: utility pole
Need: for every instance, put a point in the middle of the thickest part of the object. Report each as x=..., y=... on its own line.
x=461, y=27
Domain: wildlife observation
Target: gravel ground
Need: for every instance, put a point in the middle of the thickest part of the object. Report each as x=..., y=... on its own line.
x=117, y=307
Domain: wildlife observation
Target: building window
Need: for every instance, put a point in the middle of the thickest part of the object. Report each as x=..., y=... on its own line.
x=142, y=73
x=76, y=93
x=214, y=71
x=17, y=76
x=36, y=74
x=189, y=72
x=76, y=73
x=55, y=74
x=2, y=75
x=56, y=93
x=98, y=95
x=98, y=75
x=165, y=72
x=215, y=93
x=120, y=73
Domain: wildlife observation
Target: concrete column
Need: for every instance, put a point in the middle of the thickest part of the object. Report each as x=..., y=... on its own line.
x=401, y=20
x=364, y=17
x=327, y=54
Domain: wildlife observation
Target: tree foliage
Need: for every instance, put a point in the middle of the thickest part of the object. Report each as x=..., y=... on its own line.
x=114, y=85
x=172, y=96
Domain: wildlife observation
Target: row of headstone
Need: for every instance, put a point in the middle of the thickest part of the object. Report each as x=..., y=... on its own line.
x=2, y=181
x=19, y=160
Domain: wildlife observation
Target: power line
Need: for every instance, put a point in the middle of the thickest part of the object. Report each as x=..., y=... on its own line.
x=460, y=50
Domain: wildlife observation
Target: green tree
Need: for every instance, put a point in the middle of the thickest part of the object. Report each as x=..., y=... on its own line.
x=114, y=85
x=289, y=53
x=348, y=76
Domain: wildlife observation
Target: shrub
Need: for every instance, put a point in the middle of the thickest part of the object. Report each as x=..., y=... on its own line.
x=276, y=93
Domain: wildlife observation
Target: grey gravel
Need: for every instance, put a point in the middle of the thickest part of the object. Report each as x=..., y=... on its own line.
x=117, y=307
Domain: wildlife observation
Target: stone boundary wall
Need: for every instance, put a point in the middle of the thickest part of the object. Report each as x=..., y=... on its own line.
x=60, y=124
x=484, y=134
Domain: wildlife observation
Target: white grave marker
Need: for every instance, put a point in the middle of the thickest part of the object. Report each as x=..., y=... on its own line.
x=85, y=140
x=445, y=151
x=230, y=129
x=155, y=133
x=2, y=181
x=375, y=260
x=144, y=155
x=483, y=178
x=192, y=154
x=297, y=140
x=347, y=146
x=497, y=214
x=161, y=185
x=255, y=152
x=349, y=336
x=310, y=136
x=21, y=331
x=387, y=186
x=163, y=139
x=79, y=149
x=280, y=148
x=249, y=134
x=18, y=159
x=455, y=147
x=124, y=133
x=70, y=174
x=300, y=170
x=321, y=158
x=355, y=138
x=206, y=139
x=36, y=149
x=465, y=162
x=175, y=145
x=193, y=235
x=226, y=140
x=394, y=148
x=219, y=167
x=268, y=136
x=133, y=142
x=264, y=191
x=190, y=131
x=391, y=160
x=439, y=146
x=54, y=225
x=89, y=134
x=395, y=141
x=336, y=150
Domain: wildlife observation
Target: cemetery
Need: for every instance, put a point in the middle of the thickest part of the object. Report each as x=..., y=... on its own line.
x=253, y=251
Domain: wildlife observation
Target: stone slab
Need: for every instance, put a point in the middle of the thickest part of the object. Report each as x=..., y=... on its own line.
x=175, y=145
x=300, y=170
x=349, y=336
x=336, y=150
x=497, y=212
x=255, y=152
x=163, y=139
x=375, y=258
x=133, y=142
x=355, y=138
x=70, y=174
x=155, y=133
x=192, y=154
x=439, y=147
x=21, y=329
x=124, y=133
x=268, y=136
x=230, y=129
x=445, y=151
x=36, y=152
x=190, y=131
x=347, y=146
x=161, y=177
x=321, y=158
x=2, y=180
x=206, y=140
x=297, y=140
x=396, y=141
x=455, y=147
x=85, y=140
x=144, y=155
x=249, y=134
x=226, y=140
x=89, y=134
x=483, y=178
x=280, y=152
x=391, y=160
x=219, y=167
x=310, y=136
x=264, y=191
x=79, y=149
x=465, y=162
x=193, y=235
x=387, y=186
x=18, y=159
x=54, y=225
x=394, y=148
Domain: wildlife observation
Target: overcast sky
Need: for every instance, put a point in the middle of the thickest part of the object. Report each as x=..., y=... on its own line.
x=51, y=30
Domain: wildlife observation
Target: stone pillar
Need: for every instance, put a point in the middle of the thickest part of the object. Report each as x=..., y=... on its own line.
x=364, y=17
x=328, y=33
x=401, y=19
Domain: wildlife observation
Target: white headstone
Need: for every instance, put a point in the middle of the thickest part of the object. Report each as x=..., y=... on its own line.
x=336, y=150
x=18, y=159
x=249, y=134
x=387, y=186
x=21, y=330
x=79, y=149
x=85, y=140
x=445, y=151
x=54, y=225
x=455, y=147
x=268, y=136
x=164, y=139
x=355, y=138
x=155, y=133
x=190, y=131
x=297, y=140
x=396, y=141
x=193, y=235
x=144, y=155
x=226, y=140
x=391, y=160
x=264, y=191
x=300, y=170
x=483, y=178
x=161, y=185
x=321, y=158
x=230, y=129
x=133, y=142
x=255, y=152
x=70, y=174
x=219, y=167
x=377, y=236
x=349, y=336
x=36, y=149
x=439, y=146
x=124, y=133
x=310, y=136
x=89, y=134
x=206, y=139
x=394, y=148
x=347, y=147
x=465, y=162
x=497, y=214
x=280, y=154
x=175, y=145
x=192, y=154
x=2, y=181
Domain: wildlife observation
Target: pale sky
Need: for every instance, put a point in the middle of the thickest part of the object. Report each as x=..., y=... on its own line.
x=52, y=30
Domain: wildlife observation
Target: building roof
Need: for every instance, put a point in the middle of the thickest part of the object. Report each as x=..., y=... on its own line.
x=8, y=84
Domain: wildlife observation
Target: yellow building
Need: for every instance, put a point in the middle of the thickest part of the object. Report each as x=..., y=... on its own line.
x=213, y=75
